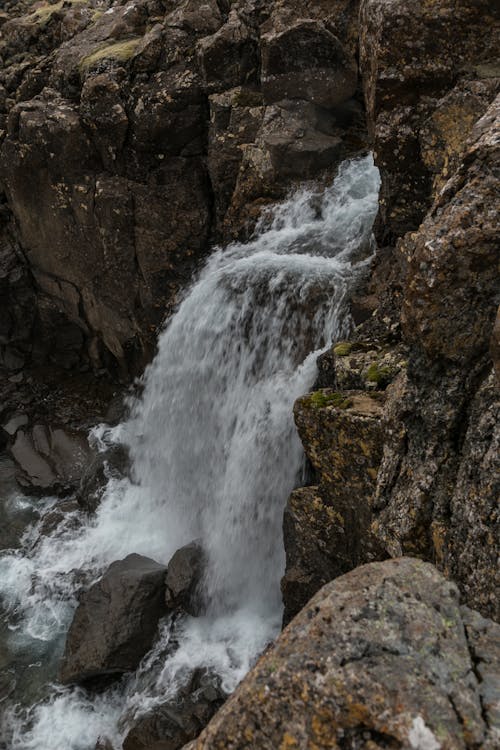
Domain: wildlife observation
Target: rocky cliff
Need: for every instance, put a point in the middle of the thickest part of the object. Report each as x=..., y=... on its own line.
x=427, y=482
x=133, y=136
x=135, y=133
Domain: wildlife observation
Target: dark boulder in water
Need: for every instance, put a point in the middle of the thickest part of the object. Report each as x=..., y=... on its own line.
x=184, y=573
x=116, y=621
x=177, y=721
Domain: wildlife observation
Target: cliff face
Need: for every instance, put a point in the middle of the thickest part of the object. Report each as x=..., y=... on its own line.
x=430, y=78
x=132, y=134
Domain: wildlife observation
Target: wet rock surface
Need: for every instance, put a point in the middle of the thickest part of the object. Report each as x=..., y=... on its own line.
x=184, y=574
x=177, y=721
x=116, y=621
x=381, y=657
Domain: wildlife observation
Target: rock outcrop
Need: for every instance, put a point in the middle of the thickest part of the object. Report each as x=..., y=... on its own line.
x=438, y=485
x=131, y=135
x=327, y=527
x=116, y=621
x=381, y=657
x=427, y=321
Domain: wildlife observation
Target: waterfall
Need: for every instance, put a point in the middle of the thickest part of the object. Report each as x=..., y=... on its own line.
x=214, y=457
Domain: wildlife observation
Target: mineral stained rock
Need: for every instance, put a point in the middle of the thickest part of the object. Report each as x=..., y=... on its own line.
x=382, y=657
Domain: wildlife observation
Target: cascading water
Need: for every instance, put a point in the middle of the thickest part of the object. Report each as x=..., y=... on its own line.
x=214, y=457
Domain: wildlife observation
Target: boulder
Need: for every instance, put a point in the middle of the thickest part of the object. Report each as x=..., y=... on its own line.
x=381, y=657
x=184, y=573
x=50, y=459
x=116, y=621
x=173, y=723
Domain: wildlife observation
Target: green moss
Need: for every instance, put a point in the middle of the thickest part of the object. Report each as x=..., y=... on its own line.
x=378, y=375
x=43, y=15
x=121, y=51
x=320, y=399
x=342, y=349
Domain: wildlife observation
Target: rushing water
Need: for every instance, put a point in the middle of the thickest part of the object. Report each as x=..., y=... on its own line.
x=215, y=455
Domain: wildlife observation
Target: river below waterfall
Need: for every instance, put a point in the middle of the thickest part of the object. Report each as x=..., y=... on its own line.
x=214, y=457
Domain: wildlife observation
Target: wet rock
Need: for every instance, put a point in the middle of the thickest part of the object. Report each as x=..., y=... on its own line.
x=113, y=463
x=173, y=723
x=116, y=621
x=184, y=573
x=327, y=527
x=378, y=658
x=50, y=459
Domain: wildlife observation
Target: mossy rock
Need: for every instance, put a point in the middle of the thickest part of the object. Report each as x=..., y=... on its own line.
x=119, y=51
x=321, y=399
x=342, y=349
x=42, y=15
x=379, y=375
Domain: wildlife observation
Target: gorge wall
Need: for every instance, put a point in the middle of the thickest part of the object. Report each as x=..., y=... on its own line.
x=134, y=135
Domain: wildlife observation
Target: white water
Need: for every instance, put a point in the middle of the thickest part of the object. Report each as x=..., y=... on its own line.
x=215, y=455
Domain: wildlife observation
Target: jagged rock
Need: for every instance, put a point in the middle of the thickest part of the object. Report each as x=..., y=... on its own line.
x=173, y=723
x=116, y=621
x=184, y=572
x=411, y=55
x=437, y=494
x=50, y=459
x=378, y=658
x=327, y=527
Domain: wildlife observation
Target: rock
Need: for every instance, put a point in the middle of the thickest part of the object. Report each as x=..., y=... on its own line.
x=456, y=247
x=184, y=573
x=437, y=490
x=306, y=61
x=173, y=723
x=327, y=527
x=116, y=621
x=359, y=365
x=111, y=463
x=407, y=78
x=14, y=423
x=378, y=658
x=50, y=459
x=106, y=105
x=229, y=57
